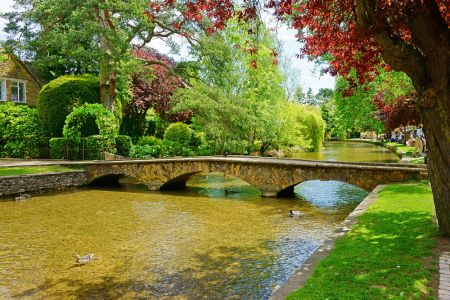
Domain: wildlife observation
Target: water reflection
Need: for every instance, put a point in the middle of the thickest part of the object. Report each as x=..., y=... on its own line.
x=202, y=243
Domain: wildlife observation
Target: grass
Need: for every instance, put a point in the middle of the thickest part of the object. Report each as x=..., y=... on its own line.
x=14, y=171
x=401, y=148
x=418, y=160
x=387, y=255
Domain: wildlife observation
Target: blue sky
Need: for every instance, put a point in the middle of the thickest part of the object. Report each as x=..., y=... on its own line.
x=302, y=72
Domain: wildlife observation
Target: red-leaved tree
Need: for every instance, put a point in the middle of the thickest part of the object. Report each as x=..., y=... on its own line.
x=411, y=36
x=394, y=114
x=153, y=88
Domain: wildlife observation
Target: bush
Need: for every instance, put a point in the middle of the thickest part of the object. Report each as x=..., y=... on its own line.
x=63, y=148
x=179, y=133
x=78, y=123
x=58, y=98
x=146, y=151
x=95, y=146
x=123, y=145
x=170, y=149
x=147, y=146
x=20, y=131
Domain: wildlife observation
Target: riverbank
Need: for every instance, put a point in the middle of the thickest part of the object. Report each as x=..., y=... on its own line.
x=405, y=153
x=389, y=253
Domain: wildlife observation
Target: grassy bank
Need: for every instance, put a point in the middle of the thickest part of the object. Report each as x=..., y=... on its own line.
x=387, y=255
x=14, y=171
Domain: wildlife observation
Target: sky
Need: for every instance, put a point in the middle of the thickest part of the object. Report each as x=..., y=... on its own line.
x=302, y=72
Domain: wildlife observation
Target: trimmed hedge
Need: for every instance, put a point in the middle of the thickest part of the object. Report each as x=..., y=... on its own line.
x=81, y=118
x=20, y=131
x=58, y=98
x=63, y=148
x=123, y=145
x=94, y=147
x=179, y=133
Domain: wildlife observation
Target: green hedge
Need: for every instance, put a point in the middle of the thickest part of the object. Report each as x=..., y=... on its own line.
x=179, y=133
x=63, y=148
x=58, y=97
x=20, y=131
x=123, y=145
x=80, y=119
x=94, y=147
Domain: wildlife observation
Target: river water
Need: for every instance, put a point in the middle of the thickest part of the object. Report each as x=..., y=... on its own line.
x=218, y=240
x=349, y=152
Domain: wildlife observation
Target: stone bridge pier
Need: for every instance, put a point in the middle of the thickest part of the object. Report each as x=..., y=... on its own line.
x=271, y=176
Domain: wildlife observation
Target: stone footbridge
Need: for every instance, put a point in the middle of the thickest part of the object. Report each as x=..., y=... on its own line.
x=271, y=176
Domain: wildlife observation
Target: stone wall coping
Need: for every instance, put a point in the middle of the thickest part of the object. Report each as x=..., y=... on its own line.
x=41, y=174
x=246, y=160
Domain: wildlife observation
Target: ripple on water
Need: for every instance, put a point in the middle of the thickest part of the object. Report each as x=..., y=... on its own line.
x=201, y=244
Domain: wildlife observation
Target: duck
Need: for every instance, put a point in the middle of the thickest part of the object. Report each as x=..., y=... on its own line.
x=293, y=213
x=82, y=260
x=22, y=197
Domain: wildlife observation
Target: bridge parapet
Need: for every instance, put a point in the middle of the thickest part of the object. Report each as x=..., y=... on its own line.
x=272, y=176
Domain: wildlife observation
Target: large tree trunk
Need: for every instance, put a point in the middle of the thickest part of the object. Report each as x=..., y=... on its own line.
x=108, y=84
x=437, y=134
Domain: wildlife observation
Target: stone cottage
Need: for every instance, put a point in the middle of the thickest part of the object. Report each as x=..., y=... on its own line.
x=17, y=82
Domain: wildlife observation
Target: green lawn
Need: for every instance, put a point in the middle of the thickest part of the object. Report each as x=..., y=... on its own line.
x=387, y=255
x=402, y=148
x=13, y=171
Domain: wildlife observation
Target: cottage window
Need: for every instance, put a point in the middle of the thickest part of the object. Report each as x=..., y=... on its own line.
x=18, y=91
x=2, y=90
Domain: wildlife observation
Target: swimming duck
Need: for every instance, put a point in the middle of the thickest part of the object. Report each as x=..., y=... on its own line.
x=82, y=260
x=22, y=197
x=293, y=213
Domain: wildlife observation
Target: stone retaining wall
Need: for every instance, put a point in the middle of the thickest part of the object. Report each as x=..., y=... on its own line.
x=14, y=185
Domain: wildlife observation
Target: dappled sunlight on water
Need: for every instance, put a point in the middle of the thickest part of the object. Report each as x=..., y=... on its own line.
x=349, y=152
x=203, y=243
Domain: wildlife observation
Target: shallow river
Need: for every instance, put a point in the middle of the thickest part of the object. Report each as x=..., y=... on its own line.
x=218, y=240
x=350, y=152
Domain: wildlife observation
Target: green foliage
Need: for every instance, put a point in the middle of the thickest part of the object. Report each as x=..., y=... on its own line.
x=20, y=131
x=63, y=148
x=233, y=103
x=147, y=146
x=94, y=147
x=60, y=96
x=397, y=232
x=315, y=130
x=123, y=145
x=170, y=149
x=178, y=132
x=79, y=122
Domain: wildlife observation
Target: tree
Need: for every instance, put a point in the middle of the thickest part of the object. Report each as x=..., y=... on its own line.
x=153, y=87
x=78, y=36
x=409, y=36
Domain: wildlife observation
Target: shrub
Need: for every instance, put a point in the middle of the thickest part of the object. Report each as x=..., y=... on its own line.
x=170, y=149
x=63, y=148
x=94, y=147
x=58, y=98
x=123, y=145
x=20, y=131
x=179, y=133
x=147, y=146
x=146, y=151
x=78, y=122
x=149, y=140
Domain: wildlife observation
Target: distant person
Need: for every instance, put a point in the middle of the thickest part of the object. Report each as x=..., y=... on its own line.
x=418, y=144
